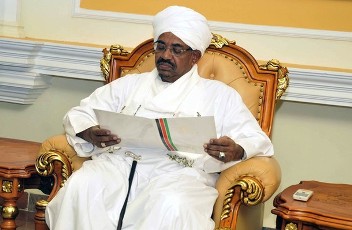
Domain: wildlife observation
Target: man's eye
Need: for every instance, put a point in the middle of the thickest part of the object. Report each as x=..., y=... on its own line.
x=177, y=50
x=160, y=47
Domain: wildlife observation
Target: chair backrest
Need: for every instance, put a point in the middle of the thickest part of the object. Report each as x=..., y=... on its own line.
x=259, y=85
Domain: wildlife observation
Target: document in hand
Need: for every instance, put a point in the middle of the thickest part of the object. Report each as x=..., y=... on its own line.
x=185, y=134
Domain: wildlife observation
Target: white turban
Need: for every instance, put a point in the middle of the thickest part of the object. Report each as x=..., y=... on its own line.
x=190, y=26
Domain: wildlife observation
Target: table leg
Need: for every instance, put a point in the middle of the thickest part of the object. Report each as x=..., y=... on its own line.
x=11, y=190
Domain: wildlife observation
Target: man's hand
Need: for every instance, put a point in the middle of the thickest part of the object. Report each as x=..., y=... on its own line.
x=231, y=151
x=99, y=137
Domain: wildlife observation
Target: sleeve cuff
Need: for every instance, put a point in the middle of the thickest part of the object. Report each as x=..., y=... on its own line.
x=87, y=147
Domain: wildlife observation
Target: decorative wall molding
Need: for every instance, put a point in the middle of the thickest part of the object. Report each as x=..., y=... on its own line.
x=26, y=69
x=21, y=87
x=319, y=87
x=218, y=26
x=69, y=61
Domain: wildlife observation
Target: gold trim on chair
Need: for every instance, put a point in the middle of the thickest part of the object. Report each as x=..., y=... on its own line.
x=45, y=165
x=219, y=41
x=283, y=80
x=252, y=193
x=105, y=61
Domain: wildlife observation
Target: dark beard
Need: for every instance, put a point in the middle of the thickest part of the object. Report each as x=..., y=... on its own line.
x=165, y=77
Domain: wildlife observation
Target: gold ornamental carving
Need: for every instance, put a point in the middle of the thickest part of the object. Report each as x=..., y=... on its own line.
x=283, y=80
x=105, y=63
x=9, y=212
x=219, y=41
x=7, y=186
x=42, y=203
x=291, y=226
x=45, y=165
x=252, y=193
x=106, y=59
x=226, y=208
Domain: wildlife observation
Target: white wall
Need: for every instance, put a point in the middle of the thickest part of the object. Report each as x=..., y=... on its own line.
x=312, y=141
x=42, y=119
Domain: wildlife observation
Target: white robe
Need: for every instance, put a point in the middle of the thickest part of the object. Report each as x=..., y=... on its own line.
x=164, y=194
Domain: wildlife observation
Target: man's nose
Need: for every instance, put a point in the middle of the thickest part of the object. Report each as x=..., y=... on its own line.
x=167, y=54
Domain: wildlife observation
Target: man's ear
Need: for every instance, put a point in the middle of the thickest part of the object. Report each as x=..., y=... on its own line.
x=196, y=56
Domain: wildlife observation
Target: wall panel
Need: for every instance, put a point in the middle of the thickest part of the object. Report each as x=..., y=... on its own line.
x=311, y=14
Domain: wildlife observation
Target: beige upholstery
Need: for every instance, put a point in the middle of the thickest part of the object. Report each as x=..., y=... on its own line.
x=249, y=183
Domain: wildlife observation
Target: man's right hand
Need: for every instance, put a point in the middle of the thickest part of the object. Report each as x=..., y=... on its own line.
x=99, y=137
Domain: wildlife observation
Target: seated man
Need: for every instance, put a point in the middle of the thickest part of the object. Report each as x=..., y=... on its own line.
x=164, y=194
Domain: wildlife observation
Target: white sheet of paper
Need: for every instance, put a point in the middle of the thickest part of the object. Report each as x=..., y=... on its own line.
x=185, y=134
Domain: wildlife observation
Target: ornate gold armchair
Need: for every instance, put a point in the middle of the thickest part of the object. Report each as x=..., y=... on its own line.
x=242, y=188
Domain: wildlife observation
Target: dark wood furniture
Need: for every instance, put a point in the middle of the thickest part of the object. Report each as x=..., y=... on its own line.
x=330, y=207
x=17, y=165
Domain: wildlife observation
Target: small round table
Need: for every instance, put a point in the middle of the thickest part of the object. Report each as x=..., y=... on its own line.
x=17, y=163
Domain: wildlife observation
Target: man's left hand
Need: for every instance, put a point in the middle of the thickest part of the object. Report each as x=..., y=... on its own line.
x=224, y=149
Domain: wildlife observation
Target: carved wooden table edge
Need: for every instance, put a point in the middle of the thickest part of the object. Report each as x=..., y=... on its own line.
x=330, y=207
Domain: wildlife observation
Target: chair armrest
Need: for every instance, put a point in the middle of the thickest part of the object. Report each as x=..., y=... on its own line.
x=249, y=182
x=57, y=158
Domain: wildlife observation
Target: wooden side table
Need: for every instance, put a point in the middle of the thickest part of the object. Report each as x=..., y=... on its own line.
x=17, y=164
x=330, y=207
